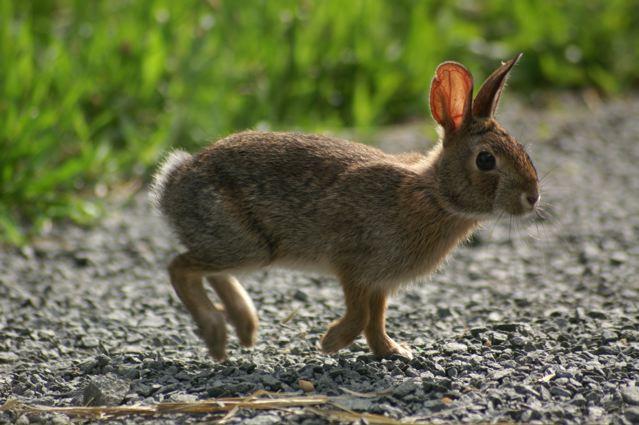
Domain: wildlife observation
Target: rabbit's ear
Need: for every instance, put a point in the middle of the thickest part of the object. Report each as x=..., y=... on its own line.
x=451, y=95
x=487, y=98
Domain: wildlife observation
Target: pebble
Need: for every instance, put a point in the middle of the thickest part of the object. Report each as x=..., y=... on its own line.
x=630, y=395
x=107, y=390
x=499, y=338
x=595, y=314
x=453, y=347
x=632, y=414
x=608, y=336
x=405, y=388
x=266, y=419
x=557, y=391
x=22, y=420
x=89, y=342
x=8, y=357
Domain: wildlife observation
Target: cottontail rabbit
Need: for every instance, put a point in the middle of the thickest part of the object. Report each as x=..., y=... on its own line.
x=372, y=219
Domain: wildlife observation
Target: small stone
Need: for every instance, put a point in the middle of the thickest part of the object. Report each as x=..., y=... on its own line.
x=578, y=400
x=82, y=259
x=152, y=321
x=560, y=392
x=60, y=420
x=405, y=388
x=606, y=351
x=494, y=316
x=453, y=347
x=618, y=258
x=106, y=390
x=183, y=398
x=507, y=327
x=306, y=386
x=632, y=414
x=526, y=389
x=595, y=314
x=530, y=415
x=631, y=395
x=300, y=295
x=590, y=252
x=444, y=312
x=595, y=412
x=216, y=389
x=356, y=403
x=435, y=405
x=132, y=349
x=499, y=374
x=146, y=390
x=8, y=358
x=609, y=336
x=476, y=332
x=499, y=338
x=517, y=341
x=263, y=419
x=23, y=420
x=269, y=380
x=89, y=342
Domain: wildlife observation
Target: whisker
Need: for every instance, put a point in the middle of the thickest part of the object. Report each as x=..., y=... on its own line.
x=537, y=227
x=535, y=235
x=549, y=172
x=545, y=214
x=510, y=225
x=492, y=228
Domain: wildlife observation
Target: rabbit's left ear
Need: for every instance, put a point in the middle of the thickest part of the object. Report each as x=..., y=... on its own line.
x=451, y=95
x=487, y=98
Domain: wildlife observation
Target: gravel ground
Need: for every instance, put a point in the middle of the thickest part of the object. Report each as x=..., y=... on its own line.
x=534, y=321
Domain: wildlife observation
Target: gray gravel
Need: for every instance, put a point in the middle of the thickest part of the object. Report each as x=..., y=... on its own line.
x=533, y=321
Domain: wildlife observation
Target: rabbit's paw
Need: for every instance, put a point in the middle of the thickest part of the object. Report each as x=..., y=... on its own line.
x=389, y=348
x=212, y=329
x=400, y=350
x=246, y=329
x=339, y=335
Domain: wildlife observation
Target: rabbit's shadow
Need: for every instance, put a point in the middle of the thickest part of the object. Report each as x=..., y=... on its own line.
x=344, y=374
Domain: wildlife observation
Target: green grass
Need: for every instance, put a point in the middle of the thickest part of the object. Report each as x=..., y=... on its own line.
x=92, y=92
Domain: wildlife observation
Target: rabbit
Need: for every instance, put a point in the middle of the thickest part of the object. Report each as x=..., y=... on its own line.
x=374, y=220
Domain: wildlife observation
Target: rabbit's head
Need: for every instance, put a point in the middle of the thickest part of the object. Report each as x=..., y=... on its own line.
x=482, y=170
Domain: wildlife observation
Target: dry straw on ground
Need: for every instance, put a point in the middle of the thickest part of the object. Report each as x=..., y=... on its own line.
x=226, y=407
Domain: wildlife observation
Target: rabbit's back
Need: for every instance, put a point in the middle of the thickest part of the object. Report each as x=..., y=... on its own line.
x=261, y=197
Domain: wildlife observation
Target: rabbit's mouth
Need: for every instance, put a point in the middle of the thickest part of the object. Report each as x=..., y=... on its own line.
x=521, y=208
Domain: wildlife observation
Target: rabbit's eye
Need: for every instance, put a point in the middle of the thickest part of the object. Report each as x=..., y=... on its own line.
x=485, y=161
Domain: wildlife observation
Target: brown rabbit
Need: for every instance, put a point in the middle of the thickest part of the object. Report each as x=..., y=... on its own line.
x=374, y=220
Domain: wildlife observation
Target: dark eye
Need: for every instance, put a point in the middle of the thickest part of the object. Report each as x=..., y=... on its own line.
x=485, y=161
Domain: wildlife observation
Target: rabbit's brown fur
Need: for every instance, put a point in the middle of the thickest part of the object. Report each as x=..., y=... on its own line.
x=372, y=219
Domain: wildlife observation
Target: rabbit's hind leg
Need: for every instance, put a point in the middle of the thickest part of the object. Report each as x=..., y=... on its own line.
x=343, y=332
x=375, y=331
x=186, y=277
x=238, y=305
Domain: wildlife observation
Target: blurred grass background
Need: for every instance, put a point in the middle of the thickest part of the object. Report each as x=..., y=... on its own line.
x=93, y=92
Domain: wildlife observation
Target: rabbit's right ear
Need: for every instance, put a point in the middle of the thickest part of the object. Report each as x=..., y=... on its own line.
x=451, y=96
x=488, y=95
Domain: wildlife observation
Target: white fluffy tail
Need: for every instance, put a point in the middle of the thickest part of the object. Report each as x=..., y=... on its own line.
x=161, y=177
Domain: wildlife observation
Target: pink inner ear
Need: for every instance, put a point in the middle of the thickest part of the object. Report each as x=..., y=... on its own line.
x=449, y=94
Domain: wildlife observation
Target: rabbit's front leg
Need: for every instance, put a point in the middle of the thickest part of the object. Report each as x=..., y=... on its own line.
x=186, y=278
x=379, y=342
x=343, y=332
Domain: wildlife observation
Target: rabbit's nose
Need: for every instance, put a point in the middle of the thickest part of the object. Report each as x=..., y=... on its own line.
x=529, y=199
